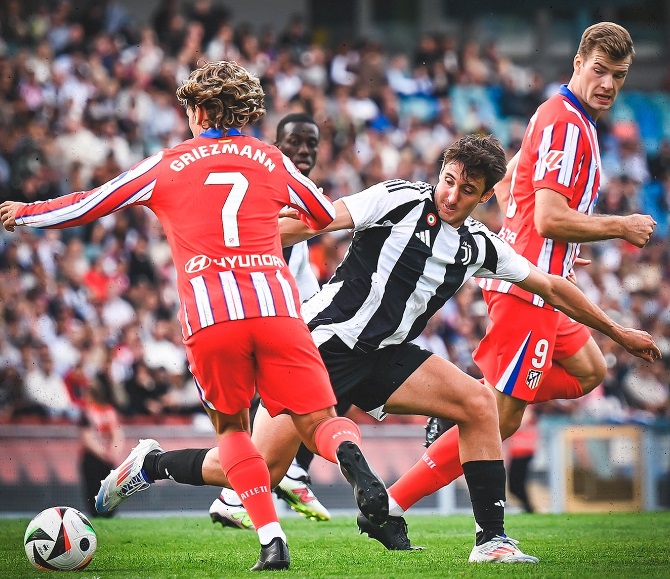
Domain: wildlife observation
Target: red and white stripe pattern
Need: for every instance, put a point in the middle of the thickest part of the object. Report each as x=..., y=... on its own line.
x=227, y=295
x=218, y=280
x=559, y=152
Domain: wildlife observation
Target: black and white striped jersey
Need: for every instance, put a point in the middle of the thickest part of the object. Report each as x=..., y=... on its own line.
x=402, y=265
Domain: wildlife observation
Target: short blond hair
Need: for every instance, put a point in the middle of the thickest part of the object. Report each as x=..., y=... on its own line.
x=231, y=96
x=612, y=39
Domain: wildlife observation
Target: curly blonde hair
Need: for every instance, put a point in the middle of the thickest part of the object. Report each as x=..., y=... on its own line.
x=230, y=95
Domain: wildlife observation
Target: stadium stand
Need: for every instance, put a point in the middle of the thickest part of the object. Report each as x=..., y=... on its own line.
x=85, y=92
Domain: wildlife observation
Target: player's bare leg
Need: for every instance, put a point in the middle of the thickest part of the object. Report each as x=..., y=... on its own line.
x=510, y=412
x=440, y=389
x=277, y=440
x=588, y=365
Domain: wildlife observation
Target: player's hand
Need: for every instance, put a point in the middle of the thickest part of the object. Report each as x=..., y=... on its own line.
x=571, y=277
x=639, y=343
x=290, y=213
x=638, y=229
x=8, y=211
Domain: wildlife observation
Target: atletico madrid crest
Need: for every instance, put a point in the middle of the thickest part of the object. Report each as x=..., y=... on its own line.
x=533, y=379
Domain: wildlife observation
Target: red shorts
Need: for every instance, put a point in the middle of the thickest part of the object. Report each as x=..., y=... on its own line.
x=276, y=356
x=521, y=342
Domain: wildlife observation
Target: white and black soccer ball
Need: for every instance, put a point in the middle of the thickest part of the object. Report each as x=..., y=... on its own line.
x=60, y=539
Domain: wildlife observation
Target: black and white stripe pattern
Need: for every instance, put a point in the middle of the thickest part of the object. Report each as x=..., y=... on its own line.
x=391, y=281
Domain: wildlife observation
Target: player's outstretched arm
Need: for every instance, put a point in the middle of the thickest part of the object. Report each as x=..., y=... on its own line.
x=555, y=219
x=565, y=296
x=293, y=230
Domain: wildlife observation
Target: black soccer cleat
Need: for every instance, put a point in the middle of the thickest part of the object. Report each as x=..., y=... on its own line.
x=392, y=534
x=369, y=490
x=274, y=556
x=436, y=427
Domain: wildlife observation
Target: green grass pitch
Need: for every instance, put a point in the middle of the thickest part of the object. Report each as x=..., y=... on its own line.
x=587, y=546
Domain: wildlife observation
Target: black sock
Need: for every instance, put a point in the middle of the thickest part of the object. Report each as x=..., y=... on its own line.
x=182, y=466
x=304, y=457
x=486, y=483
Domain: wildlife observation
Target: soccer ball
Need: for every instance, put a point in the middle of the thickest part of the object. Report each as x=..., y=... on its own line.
x=60, y=539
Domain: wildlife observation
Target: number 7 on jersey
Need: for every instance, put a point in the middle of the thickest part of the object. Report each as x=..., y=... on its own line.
x=240, y=185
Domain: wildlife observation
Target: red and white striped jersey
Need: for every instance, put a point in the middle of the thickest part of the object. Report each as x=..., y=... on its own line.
x=559, y=152
x=218, y=198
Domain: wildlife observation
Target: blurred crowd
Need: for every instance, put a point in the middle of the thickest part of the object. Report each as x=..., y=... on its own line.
x=87, y=92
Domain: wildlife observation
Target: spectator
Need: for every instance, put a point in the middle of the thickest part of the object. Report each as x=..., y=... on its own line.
x=101, y=441
x=45, y=391
x=67, y=101
x=145, y=392
x=11, y=393
x=163, y=348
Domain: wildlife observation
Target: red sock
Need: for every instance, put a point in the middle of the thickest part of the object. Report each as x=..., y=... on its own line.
x=249, y=476
x=333, y=432
x=558, y=384
x=439, y=465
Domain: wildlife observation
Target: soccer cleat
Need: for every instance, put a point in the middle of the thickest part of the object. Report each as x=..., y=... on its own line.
x=125, y=480
x=274, y=556
x=369, y=490
x=436, y=427
x=392, y=534
x=299, y=496
x=230, y=515
x=500, y=549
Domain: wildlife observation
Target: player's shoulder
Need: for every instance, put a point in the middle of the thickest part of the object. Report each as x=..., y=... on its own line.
x=475, y=226
x=555, y=108
x=417, y=188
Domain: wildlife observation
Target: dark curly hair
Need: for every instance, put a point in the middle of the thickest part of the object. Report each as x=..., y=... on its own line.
x=230, y=95
x=481, y=156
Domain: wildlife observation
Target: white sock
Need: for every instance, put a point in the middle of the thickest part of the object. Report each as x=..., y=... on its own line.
x=268, y=532
x=230, y=497
x=395, y=510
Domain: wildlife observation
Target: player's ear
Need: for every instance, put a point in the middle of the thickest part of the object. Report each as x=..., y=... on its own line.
x=577, y=62
x=487, y=195
x=200, y=114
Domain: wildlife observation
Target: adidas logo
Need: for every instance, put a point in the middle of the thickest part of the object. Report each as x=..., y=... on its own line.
x=424, y=237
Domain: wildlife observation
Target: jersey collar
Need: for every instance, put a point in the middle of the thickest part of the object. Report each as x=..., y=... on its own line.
x=568, y=94
x=218, y=133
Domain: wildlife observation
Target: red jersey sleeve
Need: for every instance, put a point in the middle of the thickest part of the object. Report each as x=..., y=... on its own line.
x=132, y=187
x=314, y=208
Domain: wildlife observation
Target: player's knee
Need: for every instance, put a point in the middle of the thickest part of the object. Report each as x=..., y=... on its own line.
x=481, y=406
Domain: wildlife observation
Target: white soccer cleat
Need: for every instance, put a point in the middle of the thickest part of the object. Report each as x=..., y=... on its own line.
x=500, y=549
x=229, y=515
x=125, y=480
x=299, y=496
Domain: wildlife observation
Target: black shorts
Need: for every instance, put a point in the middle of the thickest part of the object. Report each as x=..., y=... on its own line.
x=368, y=380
